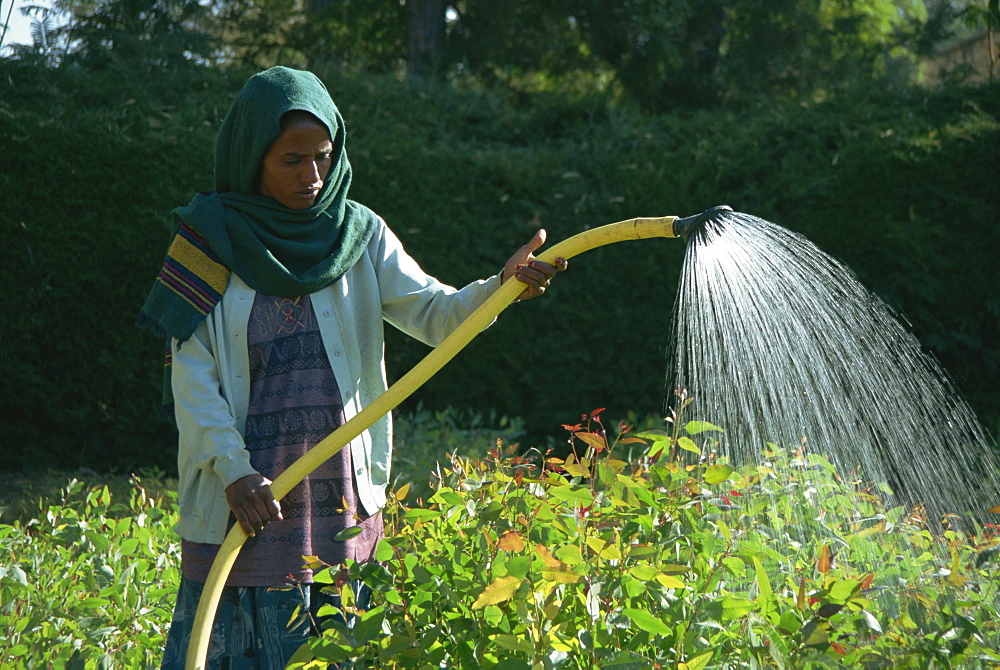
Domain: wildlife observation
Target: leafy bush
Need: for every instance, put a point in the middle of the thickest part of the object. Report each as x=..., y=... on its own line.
x=423, y=439
x=91, y=582
x=635, y=550
x=669, y=558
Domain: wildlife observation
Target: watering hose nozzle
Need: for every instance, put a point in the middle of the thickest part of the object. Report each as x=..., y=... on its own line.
x=684, y=227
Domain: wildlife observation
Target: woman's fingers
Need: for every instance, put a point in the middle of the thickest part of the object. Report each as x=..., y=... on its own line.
x=252, y=503
x=537, y=276
x=530, y=271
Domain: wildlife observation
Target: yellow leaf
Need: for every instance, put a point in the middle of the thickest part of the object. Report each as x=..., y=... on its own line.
x=593, y=439
x=511, y=541
x=699, y=662
x=669, y=582
x=402, y=491
x=611, y=553
x=564, y=576
x=500, y=590
x=312, y=562
x=547, y=558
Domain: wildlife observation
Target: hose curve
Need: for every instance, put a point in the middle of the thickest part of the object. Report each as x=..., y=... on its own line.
x=483, y=316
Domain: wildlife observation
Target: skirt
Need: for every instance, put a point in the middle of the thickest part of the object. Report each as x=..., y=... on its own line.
x=253, y=627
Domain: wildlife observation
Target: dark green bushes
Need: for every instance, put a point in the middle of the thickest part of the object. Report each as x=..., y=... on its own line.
x=898, y=186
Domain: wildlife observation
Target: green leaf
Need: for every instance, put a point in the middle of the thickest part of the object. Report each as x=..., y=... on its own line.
x=569, y=554
x=698, y=427
x=512, y=643
x=15, y=574
x=734, y=608
x=687, y=444
x=815, y=634
x=94, y=602
x=718, y=473
x=420, y=514
x=735, y=565
x=627, y=660
x=647, y=622
x=348, y=533
x=575, y=495
x=447, y=497
x=128, y=546
x=699, y=662
x=370, y=626
x=763, y=583
x=843, y=589
x=643, y=571
x=986, y=556
x=827, y=610
x=384, y=551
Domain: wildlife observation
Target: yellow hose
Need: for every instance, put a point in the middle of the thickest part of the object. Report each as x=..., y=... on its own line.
x=632, y=229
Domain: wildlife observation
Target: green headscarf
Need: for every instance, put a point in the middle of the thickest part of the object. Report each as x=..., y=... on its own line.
x=274, y=249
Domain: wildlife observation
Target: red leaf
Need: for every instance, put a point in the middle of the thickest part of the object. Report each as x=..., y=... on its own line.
x=596, y=414
x=572, y=429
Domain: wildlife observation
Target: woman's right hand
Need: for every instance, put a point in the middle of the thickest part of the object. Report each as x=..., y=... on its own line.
x=252, y=504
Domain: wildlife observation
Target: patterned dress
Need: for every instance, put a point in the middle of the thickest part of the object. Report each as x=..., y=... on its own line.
x=294, y=404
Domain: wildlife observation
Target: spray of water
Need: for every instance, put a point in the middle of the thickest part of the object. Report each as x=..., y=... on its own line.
x=778, y=342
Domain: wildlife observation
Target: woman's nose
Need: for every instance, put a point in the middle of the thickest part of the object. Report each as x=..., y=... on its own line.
x=310, y=175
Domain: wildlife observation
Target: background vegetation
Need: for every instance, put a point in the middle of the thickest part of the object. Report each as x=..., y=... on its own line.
x=109, y=123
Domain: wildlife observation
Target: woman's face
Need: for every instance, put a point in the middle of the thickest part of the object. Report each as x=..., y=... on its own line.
x=296, y=164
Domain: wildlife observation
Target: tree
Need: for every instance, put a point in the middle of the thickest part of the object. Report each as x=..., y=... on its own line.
x=425, y=36
x=152, y=32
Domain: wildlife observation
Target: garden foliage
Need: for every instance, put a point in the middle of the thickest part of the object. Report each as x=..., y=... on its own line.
x=639, y=550
x=624, y=555
x=90, y=583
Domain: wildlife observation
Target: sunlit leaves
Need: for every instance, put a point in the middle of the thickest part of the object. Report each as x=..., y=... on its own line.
x=672, y=563
x=718, y=473
x=500, y=590
x=647, y=622
x=698, y=427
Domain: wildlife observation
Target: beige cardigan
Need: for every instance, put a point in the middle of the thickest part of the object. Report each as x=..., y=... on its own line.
x=211, y=373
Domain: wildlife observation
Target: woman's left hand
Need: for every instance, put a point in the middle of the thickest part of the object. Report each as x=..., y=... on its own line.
x=535, y=274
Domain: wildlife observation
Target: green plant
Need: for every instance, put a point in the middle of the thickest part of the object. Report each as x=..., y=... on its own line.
x=423, y=439
x=668, y=558
x=90, y=583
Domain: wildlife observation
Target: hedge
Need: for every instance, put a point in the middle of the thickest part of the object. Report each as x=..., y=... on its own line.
x=901, y=185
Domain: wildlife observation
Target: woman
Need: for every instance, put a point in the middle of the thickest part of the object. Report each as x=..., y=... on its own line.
x=273, y=295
